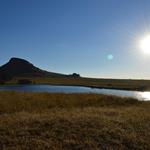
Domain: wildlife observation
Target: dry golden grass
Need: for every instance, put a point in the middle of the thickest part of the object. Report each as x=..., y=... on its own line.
x=41, y=121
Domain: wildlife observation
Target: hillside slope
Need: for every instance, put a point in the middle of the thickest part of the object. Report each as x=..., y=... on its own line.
x=20, y=67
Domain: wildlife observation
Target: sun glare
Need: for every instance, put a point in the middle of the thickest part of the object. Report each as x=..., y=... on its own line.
x=145, y=44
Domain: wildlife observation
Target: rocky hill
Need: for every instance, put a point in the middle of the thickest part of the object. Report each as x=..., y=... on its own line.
x=20, y=67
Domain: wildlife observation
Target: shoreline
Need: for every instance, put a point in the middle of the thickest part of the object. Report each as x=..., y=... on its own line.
x=88, y=86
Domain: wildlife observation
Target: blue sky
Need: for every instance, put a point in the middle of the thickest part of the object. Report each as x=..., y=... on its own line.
x=96, y=38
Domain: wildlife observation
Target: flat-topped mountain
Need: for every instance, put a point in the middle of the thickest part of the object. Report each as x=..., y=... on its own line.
x=21, y=67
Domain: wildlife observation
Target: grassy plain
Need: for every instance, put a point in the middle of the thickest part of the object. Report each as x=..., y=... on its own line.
x=125, y=84
x=41, y=121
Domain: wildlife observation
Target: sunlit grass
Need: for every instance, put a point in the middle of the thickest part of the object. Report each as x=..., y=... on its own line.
x=72, y=121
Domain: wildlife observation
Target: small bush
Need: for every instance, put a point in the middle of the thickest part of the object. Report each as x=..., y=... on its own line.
x=75, y=75
x=2, y=82
x=24, y=81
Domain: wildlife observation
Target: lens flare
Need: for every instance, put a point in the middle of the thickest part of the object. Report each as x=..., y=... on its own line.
x=110, y=57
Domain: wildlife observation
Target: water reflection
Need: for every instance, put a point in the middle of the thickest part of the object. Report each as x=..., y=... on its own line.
x=76, y=89
x=144, y=95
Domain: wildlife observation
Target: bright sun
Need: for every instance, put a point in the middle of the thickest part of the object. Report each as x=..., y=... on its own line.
x=145, y=44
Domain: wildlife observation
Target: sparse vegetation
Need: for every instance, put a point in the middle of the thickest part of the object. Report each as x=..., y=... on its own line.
x=72, y=121
x=2, y=82
x=24, y=81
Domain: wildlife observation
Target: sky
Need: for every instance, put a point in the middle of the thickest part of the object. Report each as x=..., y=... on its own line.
x=95, y=38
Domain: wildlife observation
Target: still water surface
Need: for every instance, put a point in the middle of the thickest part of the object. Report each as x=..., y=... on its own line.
x=76, y=89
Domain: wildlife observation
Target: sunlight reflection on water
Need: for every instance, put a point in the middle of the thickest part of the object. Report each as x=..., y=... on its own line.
x=144, y=96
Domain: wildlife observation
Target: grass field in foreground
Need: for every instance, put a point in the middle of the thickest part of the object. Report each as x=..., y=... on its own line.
x=41, y=121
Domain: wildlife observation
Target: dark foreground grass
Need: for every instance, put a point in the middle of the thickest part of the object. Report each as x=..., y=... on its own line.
x=42, y=121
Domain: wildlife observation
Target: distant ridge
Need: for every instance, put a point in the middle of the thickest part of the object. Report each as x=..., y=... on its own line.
x=21, y=67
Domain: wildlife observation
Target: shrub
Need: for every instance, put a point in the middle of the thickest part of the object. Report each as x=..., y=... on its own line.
x=24, y=81
x=76, y=75
x=2, y=82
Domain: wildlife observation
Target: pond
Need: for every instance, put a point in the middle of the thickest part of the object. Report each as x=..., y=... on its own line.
x=76, y=89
